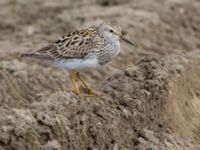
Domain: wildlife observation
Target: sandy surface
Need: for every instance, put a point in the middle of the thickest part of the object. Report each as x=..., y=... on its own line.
x=150, y=93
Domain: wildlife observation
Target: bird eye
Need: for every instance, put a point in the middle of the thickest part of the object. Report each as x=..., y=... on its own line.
x=111, y=30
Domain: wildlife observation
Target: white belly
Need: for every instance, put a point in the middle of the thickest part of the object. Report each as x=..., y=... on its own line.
x=77, y=64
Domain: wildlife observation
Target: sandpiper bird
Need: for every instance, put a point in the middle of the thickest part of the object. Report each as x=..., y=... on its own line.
x=82, y=49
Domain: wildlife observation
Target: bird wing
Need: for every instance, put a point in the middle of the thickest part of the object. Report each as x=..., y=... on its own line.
x=75, y=44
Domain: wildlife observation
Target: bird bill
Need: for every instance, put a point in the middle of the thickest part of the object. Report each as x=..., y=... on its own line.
x=127, y=41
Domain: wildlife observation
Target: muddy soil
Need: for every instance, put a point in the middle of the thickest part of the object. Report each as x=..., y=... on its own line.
x=150, y=93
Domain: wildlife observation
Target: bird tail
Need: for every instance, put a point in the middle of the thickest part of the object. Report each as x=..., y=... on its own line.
x=27, y=55
x=40, y=54
x=35, y=55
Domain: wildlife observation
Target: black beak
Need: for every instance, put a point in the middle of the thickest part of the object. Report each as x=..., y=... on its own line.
x=127, y=41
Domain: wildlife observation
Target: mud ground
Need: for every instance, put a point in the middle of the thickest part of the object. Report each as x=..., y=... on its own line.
x=150, y=93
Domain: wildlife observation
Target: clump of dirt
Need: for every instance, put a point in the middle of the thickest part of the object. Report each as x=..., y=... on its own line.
x=140, y=108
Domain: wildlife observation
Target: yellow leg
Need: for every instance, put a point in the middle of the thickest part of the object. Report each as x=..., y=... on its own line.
x=76, y=89
x=72, y=78
x=90, y=90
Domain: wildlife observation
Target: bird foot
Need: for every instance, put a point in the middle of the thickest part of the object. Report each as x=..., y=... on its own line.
x=84, y=94
x=92, y=92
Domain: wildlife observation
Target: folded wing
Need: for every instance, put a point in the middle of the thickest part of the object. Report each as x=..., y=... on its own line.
x=76, y=44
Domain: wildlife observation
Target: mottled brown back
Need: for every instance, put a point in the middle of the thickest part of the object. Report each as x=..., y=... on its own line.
x=75, y=44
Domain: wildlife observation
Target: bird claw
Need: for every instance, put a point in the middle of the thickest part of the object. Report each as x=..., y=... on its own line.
x=90, y=93
x=84, y=95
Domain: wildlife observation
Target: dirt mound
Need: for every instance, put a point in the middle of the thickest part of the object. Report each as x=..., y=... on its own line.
x=149, y=105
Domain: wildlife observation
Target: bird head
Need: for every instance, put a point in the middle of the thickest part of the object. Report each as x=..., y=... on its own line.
x=113, y=32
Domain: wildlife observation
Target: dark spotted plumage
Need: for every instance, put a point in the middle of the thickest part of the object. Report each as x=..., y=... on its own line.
x=75, y=44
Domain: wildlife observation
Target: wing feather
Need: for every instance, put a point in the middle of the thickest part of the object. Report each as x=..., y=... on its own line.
x=75, y=44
